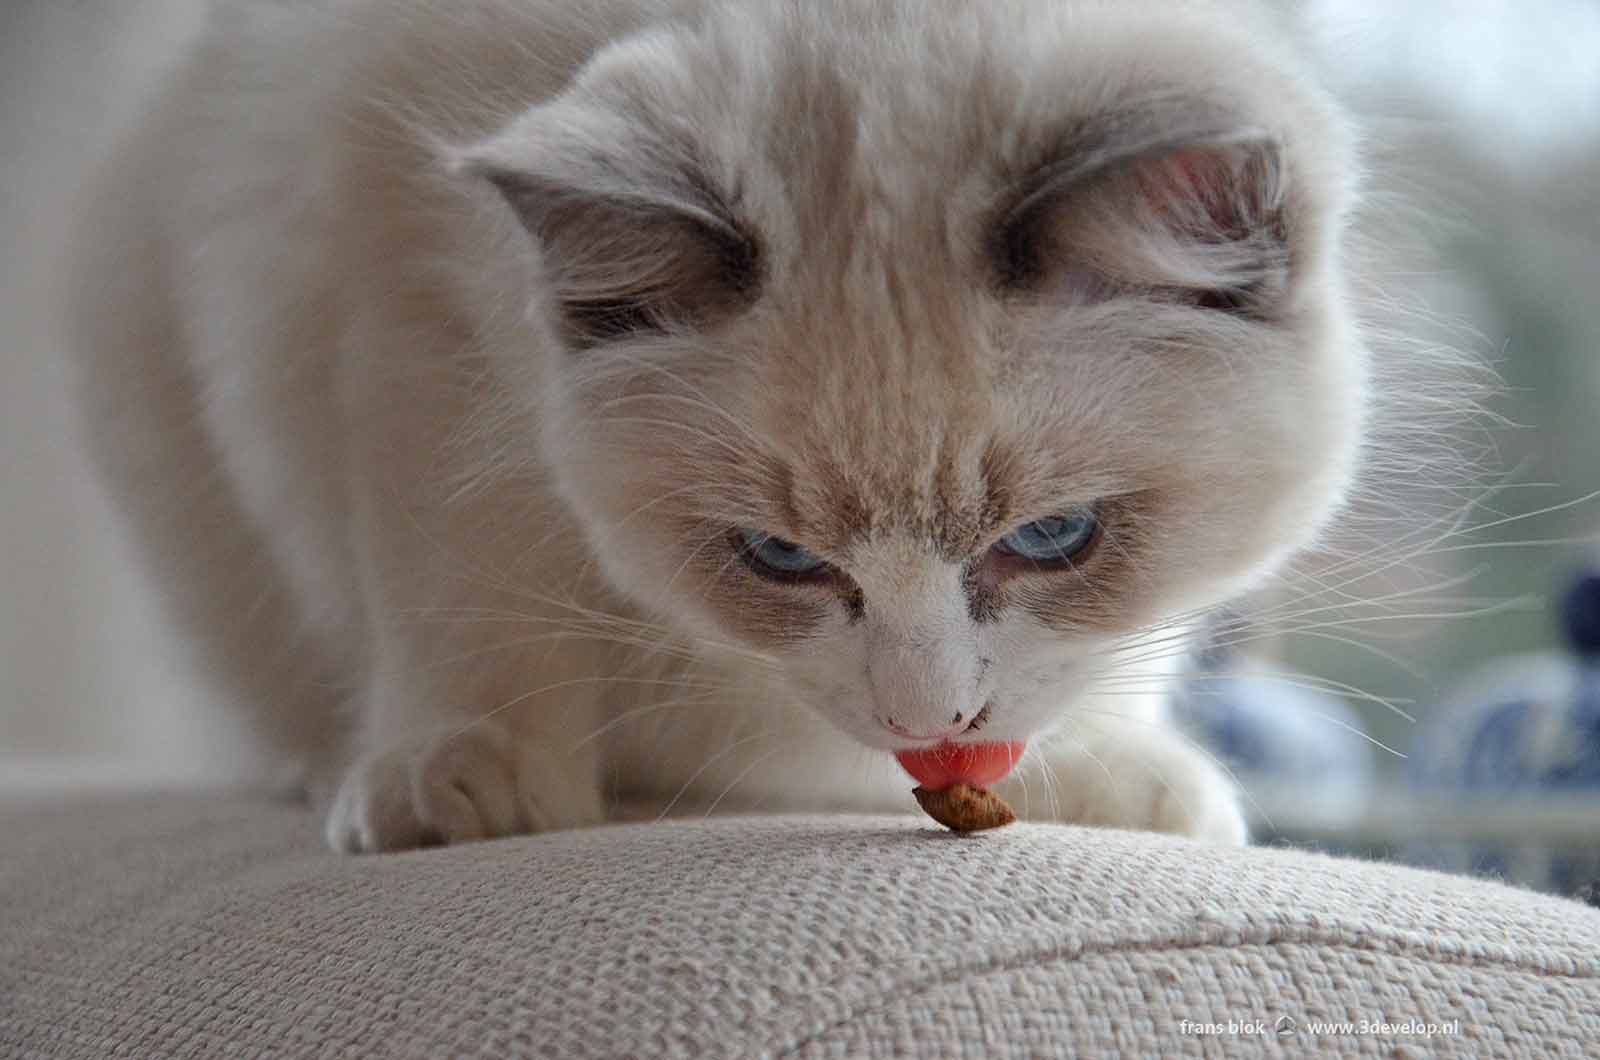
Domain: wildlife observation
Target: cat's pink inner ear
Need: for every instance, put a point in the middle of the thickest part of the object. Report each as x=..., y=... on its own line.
x=1183, y=177
x=636, y=240
x=1200, y=222
x=1224, y=191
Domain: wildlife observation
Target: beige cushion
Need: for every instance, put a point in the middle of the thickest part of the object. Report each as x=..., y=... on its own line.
x=204, y=926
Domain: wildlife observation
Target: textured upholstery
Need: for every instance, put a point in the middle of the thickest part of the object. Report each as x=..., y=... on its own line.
x=212, y=926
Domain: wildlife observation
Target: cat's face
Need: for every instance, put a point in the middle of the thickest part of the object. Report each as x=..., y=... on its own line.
x=934, y=351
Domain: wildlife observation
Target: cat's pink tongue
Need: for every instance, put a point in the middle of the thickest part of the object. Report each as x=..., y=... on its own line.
x=977, y=764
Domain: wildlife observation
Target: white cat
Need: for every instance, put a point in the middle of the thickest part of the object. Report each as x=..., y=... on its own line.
x=528, y=406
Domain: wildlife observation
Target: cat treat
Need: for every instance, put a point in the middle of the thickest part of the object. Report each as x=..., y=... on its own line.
x=951, y=781
x=964, y=808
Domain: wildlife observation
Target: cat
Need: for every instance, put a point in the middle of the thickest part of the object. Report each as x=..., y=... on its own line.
x=531, y=407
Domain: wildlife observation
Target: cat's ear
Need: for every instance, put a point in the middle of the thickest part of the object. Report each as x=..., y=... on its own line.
x=634, y=237
x=1202, y=220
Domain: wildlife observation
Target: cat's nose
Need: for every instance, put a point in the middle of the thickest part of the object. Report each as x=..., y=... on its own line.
x=958, y=724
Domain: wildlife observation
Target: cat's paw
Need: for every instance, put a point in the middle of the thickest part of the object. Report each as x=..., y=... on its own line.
x=1145, y=783
x=452, y=786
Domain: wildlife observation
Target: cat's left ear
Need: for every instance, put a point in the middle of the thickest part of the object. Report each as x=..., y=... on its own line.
x=1202, y=218
x=635, y=237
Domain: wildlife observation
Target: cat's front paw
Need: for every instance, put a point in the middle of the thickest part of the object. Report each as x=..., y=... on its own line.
x=452, y=786
x=1145, y=783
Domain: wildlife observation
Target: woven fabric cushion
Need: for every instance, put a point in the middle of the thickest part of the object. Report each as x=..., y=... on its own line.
x=211, y=926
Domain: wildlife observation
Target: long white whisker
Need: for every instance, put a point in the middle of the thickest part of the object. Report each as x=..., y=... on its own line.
x=707, y=764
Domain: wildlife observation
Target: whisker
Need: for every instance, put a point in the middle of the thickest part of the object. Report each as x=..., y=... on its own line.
x=557, y=686
x=635, y=713
x=707, y=764
x=746, y=771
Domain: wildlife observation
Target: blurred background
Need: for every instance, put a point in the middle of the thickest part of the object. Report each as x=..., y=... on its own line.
x=1484, y=135
x=1486, y=124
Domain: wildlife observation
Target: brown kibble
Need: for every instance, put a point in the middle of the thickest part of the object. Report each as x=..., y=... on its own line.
x=964, y=808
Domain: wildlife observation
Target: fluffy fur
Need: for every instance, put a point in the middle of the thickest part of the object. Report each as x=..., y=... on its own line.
x=438, y=351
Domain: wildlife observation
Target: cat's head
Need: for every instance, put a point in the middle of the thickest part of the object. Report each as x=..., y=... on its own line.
x=934, y=350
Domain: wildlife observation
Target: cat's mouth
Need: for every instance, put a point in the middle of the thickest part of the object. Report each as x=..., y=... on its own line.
x=978, y=721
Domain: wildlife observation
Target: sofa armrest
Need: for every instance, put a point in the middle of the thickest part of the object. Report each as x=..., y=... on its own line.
x=207, y=924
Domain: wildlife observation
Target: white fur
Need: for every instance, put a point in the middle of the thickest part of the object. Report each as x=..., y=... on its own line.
x=428, y=546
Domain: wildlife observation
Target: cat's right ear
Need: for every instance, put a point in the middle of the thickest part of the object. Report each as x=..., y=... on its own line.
x=1201, y=216
x=634, y=236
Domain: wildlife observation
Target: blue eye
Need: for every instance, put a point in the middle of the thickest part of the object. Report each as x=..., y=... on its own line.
x=774, y=556
x=1057, y=539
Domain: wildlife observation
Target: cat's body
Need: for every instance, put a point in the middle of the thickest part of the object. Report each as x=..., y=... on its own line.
x=452, y=402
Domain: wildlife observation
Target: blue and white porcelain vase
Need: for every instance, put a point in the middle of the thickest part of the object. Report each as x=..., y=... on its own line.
x=1524, y=730
x=1297, y=753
